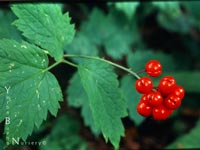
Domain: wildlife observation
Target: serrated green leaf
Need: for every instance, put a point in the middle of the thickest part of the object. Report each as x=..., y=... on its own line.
x=45, y=25
x=81, y=100
x=27, y=92
x=132, y=98
x=64, y=135
x=188, y=141
x=105, y=98
x=81, y=45
x=139, y=58
x=6, y=29
x=129, y=8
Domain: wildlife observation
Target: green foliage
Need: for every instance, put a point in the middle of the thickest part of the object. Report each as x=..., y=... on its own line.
x=132, y=98
x=105, y=99
x=171, y=18
x=80, y=100
x=81, y=45
x=45, y=25
x=27, y=89
x=108, y=33
x=129, y=8
x=6, y=30
x=188, y=141
x=64, y=135
x=192, y=7
x=137, y=60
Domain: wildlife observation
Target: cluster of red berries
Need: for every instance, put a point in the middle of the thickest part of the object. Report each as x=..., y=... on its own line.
x=161, y=101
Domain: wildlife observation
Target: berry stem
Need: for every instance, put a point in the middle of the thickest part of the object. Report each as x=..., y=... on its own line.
x=140, y=71
x=104, y=60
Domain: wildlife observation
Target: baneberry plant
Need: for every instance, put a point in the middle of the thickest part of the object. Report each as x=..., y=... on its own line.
x=29, y=90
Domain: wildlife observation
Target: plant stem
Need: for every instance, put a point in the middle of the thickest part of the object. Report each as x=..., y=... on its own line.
x=52, y=66
x=69, y=63
x=59, y=62
x=104, y=60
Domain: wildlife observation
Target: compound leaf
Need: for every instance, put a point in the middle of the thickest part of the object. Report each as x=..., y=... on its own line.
x=45, y=25
x=27, y=91
x=105, y=98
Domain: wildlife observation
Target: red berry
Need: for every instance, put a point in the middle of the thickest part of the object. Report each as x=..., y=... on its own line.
x=167, y=85
x=144, y=85
x=172, y=101
x=161, y=112
x=153, y=68
x=144, y=109
x=144, y=99
x=179, y=91
x=155, y=98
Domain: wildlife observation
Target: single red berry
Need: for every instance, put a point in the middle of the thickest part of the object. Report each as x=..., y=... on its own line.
x=179, y=91
x=155, y=98
x=161, y=112
x=144, y=98
x=172, y=101
x=153, y=68
x=144, y=85
x=144, y=109
x=167, y=85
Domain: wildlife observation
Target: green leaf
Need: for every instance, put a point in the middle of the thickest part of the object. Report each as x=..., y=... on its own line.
x=171, y=9
x=106, y=30
x=6, y=30
x=95, y=27
x=132, y=98
x=119, y=44
x=27, y=91
x=64, y=135
x=192, y=7
x=171, y=17
x=81, y=100
x=188, y=141
x=105, y=98
x=45, y=25
x=139, y=58
x=81, y=45
x=129, y=8
x=181, y=24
